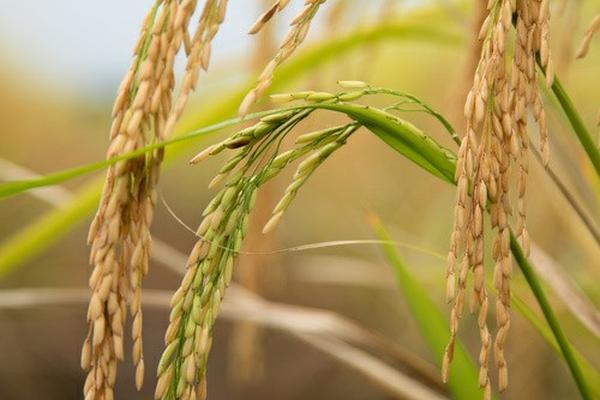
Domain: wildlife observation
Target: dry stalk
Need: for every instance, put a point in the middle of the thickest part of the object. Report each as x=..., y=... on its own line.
x=337, y=337
x=496, y=110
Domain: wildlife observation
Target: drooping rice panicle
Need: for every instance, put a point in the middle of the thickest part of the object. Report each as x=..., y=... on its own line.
x=116, y=233
x=300, y=26
x=496, y=110
x=211, y=18
x=195, y=305
x=120, y=232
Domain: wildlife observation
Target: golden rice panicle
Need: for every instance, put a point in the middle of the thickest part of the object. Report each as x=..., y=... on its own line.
x=496, y=110
x=584, y=47
x=195, y=305
x=170, y=35
x=531, y=37
x=110, y=289
x=119, y=235
x=476, y=166
x=299, y=29
x=213, y=14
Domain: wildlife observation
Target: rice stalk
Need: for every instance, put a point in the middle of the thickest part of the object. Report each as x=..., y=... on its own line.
x=374, y=118
x=406, y=139
x=256, y=159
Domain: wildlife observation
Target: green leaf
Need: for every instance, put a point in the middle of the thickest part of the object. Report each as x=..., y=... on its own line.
x=463, y=377
x=402, y=136
x=591, y=374
x=15, y=187
x=562, y=341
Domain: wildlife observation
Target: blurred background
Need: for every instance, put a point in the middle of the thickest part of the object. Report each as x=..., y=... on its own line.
x=62, y=62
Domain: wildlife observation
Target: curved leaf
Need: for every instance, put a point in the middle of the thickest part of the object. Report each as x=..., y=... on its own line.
x=403, y=137
x=463, y=379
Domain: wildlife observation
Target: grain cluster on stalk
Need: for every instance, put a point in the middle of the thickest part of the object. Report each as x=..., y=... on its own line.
x=497, y=109
x=120, y=232
x=195, y=305
x=300, y=26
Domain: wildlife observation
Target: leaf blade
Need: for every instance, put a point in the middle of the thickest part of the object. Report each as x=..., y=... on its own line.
x=463, y=376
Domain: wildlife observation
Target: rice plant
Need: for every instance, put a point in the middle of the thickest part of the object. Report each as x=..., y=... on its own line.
x=514, y=86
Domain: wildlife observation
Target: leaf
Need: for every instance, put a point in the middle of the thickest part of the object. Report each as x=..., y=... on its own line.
x=562, y=341
x=590, y=372
x=402, y=136
x=463, y=377
x=15, y=187
x=47, y=229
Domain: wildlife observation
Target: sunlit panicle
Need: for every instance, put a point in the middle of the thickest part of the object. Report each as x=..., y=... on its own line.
x=496, y=109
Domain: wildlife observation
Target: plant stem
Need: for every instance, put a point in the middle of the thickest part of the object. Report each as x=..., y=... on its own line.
x=584, y=136
x=579, y=209
x=540, y=296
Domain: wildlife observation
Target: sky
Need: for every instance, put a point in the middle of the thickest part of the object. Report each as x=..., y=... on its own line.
x=84, y=46
x=87, y=44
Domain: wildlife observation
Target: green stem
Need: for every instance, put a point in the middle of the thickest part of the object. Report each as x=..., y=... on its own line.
x=551, y=318
x=584, y=136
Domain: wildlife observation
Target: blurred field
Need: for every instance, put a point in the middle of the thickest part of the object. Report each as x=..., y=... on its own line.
x=45, y=129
